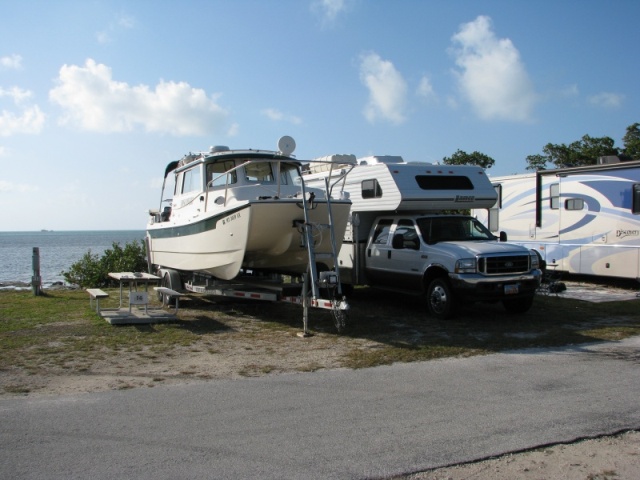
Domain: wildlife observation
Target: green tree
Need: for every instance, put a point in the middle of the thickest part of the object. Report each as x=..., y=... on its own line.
x=585, y=151
x=464, y=158
x=631, y=141
x=93, y=271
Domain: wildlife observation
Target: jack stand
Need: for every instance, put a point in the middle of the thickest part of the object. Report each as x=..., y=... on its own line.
x=305, y=307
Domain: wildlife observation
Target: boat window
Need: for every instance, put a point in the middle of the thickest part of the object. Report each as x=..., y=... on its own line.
x=289, y=175
x=371, y=189
x=259, y=172
x=192, y=181
x=215, y=171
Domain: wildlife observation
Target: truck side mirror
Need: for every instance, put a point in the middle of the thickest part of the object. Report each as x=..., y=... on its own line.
x=397, y=241
x=503, y=236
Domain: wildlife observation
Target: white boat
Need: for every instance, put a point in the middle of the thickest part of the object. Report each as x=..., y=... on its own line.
x=236, y=210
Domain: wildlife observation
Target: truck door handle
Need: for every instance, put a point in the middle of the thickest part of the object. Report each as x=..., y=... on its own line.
x=389, y=254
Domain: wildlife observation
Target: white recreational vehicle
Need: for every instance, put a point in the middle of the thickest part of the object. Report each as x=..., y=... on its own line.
x=581, y=220
x=403, y=234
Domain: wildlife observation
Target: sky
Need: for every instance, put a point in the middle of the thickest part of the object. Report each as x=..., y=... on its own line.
x=98, y=96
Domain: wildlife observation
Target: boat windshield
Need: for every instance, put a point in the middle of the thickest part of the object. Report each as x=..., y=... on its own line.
x=215, y=171
x=440, y=229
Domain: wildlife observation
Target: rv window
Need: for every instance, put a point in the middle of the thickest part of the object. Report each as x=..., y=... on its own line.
x=215, y=177
x=636, y=199
x=574, y=204
x=554, y=196
x=371, y=189
x=192, y=180
x=441, y=182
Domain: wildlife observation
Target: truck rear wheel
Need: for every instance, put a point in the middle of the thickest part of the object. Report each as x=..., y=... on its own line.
x=518, y=305
x=440, y=299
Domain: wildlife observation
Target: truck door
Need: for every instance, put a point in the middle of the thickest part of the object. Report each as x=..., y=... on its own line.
x=394, y=263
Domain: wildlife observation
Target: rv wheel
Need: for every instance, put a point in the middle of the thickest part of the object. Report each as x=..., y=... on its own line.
x=440, y=299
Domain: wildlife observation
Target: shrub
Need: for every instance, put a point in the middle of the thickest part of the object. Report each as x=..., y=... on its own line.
x=93, y=271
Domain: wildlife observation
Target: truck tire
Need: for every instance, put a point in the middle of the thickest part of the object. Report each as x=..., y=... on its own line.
x=518, y=305
x=440, y=299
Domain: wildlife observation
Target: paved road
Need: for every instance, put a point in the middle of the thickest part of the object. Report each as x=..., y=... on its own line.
x=333, y=424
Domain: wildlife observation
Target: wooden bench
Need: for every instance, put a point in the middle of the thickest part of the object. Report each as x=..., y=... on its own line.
x=96, y=294
x=167, y=294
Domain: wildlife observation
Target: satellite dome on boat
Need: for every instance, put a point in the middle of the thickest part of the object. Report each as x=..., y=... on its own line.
x=218, y=148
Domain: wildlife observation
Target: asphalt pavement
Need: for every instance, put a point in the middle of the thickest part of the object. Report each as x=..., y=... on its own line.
x=338, y=424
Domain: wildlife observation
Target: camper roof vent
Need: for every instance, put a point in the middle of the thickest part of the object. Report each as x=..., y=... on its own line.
x=375, y=159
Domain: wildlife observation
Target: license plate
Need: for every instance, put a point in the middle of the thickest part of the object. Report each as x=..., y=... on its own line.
x=510, y=289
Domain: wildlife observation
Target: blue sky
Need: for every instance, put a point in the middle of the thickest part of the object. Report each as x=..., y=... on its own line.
x=96, y=97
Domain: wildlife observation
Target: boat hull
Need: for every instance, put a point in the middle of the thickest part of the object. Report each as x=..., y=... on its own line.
x=261, y=235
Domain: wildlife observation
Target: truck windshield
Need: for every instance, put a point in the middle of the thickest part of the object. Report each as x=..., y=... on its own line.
x=440, y=229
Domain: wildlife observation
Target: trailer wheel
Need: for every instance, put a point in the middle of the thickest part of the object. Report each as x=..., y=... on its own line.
x=440, y=299
x=166, y=282
x=518, y=305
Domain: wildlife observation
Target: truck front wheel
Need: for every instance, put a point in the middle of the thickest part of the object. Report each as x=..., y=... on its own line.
x=518, y=305
x=440, y=299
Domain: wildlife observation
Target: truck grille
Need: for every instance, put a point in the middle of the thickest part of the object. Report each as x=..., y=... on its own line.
x=504, y=264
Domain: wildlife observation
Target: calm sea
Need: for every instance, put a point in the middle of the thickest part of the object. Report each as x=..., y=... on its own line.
x=58, y=251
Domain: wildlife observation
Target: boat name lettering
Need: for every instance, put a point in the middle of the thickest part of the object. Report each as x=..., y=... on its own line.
x=465, y=198
x=231, y=218
x=627, y=233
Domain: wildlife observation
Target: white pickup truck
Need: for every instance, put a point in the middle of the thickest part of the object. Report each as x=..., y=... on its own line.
x=403, y=235
x=452, y=259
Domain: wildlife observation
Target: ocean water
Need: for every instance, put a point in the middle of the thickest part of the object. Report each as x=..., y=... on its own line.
x=58, y=251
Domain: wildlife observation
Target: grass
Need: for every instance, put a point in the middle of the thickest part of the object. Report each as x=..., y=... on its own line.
x=58, y=332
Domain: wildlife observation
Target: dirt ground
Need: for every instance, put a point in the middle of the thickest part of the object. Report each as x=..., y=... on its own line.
x=612, y=457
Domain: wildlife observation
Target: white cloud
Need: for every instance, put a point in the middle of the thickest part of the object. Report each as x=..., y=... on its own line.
x=387, y=89
x=92, y=100
x=17, y=94
x=123, y=22
x=330, y=10
x=8, y=187
x=425, y=89
x=12, y=62
x=29, y=119
x=278, y=116
x=492, y=76
x=606, y=100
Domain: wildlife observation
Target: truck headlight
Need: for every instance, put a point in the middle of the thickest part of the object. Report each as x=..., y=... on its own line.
x=535, y=260
x=466, y=265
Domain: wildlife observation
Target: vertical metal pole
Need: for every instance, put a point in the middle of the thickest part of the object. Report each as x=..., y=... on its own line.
x=36, y=280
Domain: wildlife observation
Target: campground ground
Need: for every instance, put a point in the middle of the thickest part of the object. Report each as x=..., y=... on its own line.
x=230, y=339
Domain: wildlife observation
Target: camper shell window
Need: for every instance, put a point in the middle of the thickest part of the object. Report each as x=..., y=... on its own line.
x=635, y=208
x=441, y=182
x=371, y=189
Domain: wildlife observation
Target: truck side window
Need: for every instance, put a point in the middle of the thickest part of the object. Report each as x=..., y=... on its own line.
x=406, y=236
x=381, y=234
